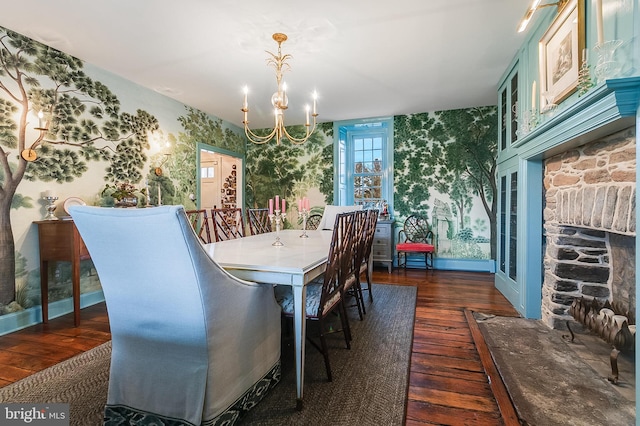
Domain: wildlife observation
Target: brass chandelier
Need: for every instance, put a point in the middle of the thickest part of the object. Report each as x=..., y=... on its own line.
x=280, y=103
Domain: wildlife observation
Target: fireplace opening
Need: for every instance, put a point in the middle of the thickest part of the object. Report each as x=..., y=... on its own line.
x=589, y=226
x=589, y=282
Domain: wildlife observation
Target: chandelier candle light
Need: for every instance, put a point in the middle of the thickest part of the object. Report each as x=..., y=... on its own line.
x=280, y=102
x=277, y=217
x=303, y=208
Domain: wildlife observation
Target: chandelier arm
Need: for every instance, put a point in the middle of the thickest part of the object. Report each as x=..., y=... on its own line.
x=259, y=140
x=299, y=141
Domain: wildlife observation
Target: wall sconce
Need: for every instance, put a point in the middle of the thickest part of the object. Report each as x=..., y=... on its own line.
x=535, y=5
x=43, y=126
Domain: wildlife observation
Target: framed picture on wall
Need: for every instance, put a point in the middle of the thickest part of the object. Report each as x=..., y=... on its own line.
x=560, y=53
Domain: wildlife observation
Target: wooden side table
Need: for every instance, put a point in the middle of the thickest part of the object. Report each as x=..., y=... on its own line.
x=60, y=241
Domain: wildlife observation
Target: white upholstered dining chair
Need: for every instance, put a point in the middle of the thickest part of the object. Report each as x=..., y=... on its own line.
x=330, y=212
x=191, y=344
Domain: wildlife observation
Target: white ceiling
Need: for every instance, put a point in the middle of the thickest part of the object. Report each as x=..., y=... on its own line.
x=365, y=58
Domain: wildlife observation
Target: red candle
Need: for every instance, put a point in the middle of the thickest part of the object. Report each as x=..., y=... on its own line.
x=270, y=205
x=284, y=205
x=277, y=203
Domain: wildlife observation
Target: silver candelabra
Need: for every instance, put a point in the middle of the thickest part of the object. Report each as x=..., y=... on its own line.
x=277, y=220
x=305, y=215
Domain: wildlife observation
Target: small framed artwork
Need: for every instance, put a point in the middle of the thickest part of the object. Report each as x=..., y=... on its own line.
x=560, y=53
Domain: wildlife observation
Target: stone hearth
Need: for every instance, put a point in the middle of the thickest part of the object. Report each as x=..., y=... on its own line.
x=589, y=222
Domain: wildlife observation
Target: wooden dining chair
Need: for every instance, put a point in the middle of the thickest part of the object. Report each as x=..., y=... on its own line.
x=199, y=220
x=227, y=223
x=352, y=280
x=327, y=297
x=259, y=222
x=365, y=258
x=313, y=221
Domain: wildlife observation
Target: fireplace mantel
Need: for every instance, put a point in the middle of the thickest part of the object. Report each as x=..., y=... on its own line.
x=607, y=108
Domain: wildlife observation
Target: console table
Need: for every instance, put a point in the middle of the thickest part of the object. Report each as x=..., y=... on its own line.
x=60, y=241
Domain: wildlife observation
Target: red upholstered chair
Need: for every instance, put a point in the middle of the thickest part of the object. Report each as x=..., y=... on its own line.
x=416, y=237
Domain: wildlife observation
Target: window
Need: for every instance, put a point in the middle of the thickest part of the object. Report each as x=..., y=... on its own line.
x=367, y=169
x=207, y=172
x=364, y=163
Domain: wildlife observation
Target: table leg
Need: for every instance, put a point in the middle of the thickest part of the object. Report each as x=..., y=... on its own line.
x=75, y=282
x=44, y=290
x=299, y=328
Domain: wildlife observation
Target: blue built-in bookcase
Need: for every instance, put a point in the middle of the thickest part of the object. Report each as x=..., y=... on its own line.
x=582, y=115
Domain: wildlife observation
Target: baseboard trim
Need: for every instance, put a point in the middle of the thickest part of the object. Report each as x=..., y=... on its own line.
x=445, y=264
x=18, y=320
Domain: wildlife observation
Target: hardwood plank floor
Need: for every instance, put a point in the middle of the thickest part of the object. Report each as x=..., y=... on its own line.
x=448, y=384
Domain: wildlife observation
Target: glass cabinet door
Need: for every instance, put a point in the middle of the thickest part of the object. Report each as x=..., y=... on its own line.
x=508, y=110
x=508, y=228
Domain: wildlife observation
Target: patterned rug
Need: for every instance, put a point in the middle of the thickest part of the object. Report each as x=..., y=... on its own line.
x=369, y=381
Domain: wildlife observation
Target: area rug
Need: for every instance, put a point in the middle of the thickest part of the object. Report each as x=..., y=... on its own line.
x=551, y=380
x=369, y=381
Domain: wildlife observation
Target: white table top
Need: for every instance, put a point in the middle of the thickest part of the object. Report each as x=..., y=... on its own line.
x=255, y=258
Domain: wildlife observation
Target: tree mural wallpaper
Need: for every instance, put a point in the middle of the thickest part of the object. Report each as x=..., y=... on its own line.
x=80, y=121
x=444, y=165
x=181, y=165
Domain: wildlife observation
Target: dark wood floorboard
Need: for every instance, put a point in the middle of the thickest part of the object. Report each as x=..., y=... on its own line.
x=448, y=384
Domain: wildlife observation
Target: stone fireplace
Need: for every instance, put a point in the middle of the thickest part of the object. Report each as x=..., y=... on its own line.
x=590, y=226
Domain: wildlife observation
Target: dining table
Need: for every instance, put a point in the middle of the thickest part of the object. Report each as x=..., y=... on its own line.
x=295, y=263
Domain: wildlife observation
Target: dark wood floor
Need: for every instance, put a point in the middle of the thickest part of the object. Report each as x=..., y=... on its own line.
x=452, y=380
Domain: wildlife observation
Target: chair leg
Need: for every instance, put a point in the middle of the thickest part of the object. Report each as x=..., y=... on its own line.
x=361, y=295
x=357, y=295
x=357, y=288
x=368, y=276
x=428, y=258
x=325, y=351
x=345, y=324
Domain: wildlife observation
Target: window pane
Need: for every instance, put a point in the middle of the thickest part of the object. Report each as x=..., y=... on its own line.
x=367, y=152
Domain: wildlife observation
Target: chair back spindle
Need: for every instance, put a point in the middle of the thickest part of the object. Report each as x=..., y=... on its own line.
x=227, y=223
x=259, y=222
x=199, y=220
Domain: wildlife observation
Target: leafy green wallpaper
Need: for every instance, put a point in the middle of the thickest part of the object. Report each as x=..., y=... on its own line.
x=95, y=129
x=444, y=168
